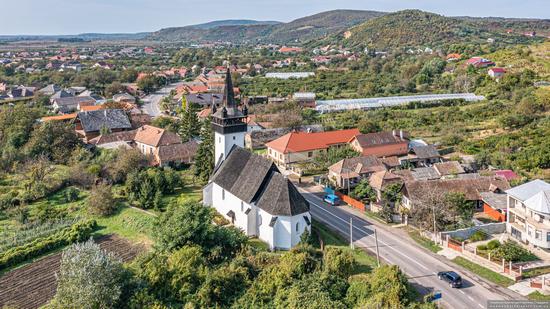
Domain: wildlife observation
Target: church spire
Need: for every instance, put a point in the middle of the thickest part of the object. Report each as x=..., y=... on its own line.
x=229, y=93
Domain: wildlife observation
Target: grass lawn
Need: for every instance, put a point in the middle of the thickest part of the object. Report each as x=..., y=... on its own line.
x=484, y=272
x=129, y=223
x=538, y=296
x=365, y=262
x=536, y=272
x=423, y=241
x=258, y=244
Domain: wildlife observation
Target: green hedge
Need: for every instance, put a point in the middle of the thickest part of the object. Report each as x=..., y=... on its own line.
x=75, y=233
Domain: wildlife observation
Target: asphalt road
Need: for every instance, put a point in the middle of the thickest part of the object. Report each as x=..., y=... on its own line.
x=420, y=266
x=151, y=101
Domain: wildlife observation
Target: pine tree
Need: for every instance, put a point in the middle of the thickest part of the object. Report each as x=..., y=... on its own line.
x=190, y=124
x=204, y=160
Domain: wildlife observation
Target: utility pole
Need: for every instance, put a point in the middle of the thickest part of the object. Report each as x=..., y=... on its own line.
x=435, y=224
x=351, y=232
x=377, y=251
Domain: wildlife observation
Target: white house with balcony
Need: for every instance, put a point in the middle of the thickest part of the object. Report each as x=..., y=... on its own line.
x=528, y=213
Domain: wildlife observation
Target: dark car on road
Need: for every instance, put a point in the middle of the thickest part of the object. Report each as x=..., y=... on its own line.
x=454, y=279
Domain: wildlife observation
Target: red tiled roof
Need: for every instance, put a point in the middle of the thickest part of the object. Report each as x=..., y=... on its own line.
x=60, y=117
x=507, y=174
x=303, y=141
x=156, y=136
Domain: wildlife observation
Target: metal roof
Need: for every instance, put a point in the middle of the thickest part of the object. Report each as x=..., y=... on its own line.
x=369, y=103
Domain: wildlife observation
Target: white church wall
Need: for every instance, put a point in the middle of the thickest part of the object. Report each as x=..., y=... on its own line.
x=224, y=143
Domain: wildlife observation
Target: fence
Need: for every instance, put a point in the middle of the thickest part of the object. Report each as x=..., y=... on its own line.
x=493, y=213
x=490, y=228
x=513, y=271
x=350, y=201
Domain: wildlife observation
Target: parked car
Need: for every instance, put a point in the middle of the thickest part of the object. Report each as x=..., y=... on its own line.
x=454, y=279
x=332, y=199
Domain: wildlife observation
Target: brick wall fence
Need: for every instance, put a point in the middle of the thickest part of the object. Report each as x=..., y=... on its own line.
x=350, y=201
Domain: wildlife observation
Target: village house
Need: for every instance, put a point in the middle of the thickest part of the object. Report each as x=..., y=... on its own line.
x=66, y=105
x=347, y=173
x=248, y=189
x=124, y=98
x=91, y=124
x=381, y=144
x=420, y=191
x=305, y=99
x=528, y=208
x=379, y=181
x=479, y=62
x=299, y=147
x=496, y=73
x=421, y=156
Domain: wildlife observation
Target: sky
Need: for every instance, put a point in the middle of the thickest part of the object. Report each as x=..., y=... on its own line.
x=40, y=17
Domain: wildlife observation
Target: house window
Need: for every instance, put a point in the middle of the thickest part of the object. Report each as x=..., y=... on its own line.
x=259, y=220
x=538, y=234
x=548, y=236
x=223, y=194
x=310, y=154
x=297, y=226
x=529, y=230
x=242, y=206
x=219, y=139
x=233, y=137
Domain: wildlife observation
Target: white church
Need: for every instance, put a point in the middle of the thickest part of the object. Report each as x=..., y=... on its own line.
x=248, y=189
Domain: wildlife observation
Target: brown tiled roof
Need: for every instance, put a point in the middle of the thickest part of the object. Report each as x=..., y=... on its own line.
x=123, y=136
x=449, y=168
x=358, y=165
x=178, y=152
x=381, y=138
x=470, y=187
x=154, y=136
x=381, y=179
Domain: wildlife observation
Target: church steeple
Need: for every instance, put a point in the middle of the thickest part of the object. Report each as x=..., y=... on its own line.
x=229, y=122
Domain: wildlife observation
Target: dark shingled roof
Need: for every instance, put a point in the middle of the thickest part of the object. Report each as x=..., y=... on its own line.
x=255, y=179
x=110, y=118
x=425, y=152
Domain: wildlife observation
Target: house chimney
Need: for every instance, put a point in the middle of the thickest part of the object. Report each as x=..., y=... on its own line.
x=393, y=132
x=105, y=113
x=401, y=134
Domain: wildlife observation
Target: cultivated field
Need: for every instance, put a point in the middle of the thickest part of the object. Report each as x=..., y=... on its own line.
x=34, y=285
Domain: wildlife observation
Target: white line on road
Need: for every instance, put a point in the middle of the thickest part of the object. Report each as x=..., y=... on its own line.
x=480, y=305
x=382, y=242
x=471, y=298
x=462, y=292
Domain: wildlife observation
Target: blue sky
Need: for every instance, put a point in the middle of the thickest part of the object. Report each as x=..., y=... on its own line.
x=78, y=16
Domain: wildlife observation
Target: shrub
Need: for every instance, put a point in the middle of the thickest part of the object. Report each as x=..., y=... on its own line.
x=75, y=233
x=71, y=194
x=478, y=236
x=511, y=251
x=493, y=244
x=101, y=201
x=482, y=247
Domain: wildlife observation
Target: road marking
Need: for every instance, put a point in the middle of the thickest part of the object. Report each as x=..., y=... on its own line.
x=382, y=242
x=462, y=292
x=471, y=298
x=480, y=305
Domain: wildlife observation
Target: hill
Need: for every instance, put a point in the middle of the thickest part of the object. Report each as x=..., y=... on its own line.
x=302, y=29
x=414, y=28
x=234, y=22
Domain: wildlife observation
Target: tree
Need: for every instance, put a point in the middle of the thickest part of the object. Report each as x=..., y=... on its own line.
x=368, y=126
x=88, y=278
x=114, y=88
x=389, y=288
x=101, y=201
x=53, y=140
x=125, y=162
x=327, y=158
x=364, y=191
x=148, y=83
x=338, y=262
x=190, y=125
x=129, y=75
x=181, y=225
x=204, y=160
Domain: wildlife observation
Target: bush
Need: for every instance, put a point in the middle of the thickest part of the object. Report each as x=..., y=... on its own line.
x=493, y=244
x=71, y=194
x=75, y=233
x=511, y=251
x=101, y=201
x=482, y=247
x=478, y=236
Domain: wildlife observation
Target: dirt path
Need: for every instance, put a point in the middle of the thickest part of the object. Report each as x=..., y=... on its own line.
x=34, y=285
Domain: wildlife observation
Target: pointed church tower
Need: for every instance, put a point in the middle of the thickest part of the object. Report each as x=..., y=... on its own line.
x=228, y=122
